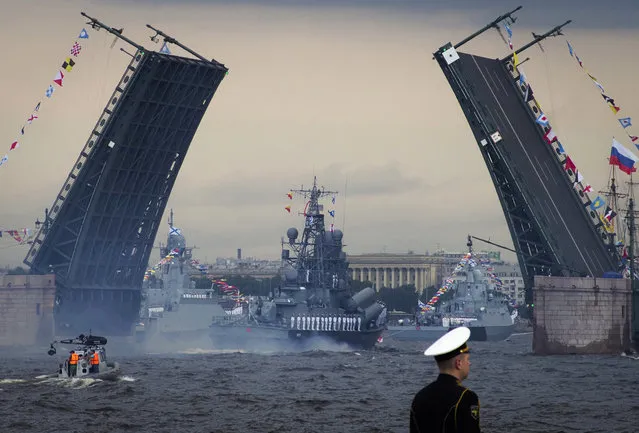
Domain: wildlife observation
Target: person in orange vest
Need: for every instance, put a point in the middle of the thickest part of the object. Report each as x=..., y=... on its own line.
x=73, y=364
x=95, y=362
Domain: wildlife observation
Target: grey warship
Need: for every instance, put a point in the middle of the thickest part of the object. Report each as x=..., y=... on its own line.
x=314, y=300
x=171, y=307
x=475, y=304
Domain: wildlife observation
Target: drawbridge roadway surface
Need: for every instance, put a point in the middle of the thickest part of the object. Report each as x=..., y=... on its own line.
x=573, y=239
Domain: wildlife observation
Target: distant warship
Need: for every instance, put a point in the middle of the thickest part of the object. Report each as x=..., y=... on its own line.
x=171, y=306
x=314, y=297
x=475, y=303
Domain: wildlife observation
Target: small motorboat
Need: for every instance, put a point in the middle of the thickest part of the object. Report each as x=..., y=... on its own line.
x=90, y=358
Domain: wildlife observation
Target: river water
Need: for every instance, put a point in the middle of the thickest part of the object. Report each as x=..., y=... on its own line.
x=328, y=390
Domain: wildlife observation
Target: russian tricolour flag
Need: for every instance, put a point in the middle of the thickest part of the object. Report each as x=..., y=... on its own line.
x=622, y=157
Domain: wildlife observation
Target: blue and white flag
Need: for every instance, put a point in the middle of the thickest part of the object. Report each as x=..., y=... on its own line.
x=560, y=148
x=522, y=78
x=49, y=91
x=165, y=49
x=83, y=34
x=175, y=231
x=625, y=122
x=510, y=32
x=542, y=119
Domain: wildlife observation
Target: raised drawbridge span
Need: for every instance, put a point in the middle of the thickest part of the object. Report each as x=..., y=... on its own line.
x=553, y=228
x=98, y=234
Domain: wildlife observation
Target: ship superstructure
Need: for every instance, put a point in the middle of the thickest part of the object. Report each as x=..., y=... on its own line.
x=314, y=297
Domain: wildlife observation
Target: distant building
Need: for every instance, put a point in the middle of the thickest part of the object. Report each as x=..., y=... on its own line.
x=512, y=281
x=395, y=270
x=246, y=267
x=421, y=270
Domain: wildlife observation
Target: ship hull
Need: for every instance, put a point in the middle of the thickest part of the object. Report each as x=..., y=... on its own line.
x=432, y=333
x=249, y=337
x=490, y=333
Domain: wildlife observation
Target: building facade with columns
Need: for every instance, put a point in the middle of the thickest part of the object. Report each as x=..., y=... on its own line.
x=395, y=270
x=512, y=281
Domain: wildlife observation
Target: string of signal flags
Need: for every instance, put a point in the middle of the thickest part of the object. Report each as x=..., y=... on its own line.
x=620, y=156
x=57, y=82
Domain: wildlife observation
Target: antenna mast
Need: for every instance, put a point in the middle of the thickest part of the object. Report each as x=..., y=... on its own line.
x=634, y=292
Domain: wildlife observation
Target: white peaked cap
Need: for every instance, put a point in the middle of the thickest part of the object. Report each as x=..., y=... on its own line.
x=449, y=342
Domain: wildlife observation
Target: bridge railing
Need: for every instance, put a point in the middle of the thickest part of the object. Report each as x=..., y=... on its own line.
x=573, y=177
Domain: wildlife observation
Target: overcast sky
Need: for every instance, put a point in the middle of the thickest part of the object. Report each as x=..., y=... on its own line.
x=345, y=90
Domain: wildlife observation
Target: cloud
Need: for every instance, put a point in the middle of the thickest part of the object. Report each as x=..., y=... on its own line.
x=346, y=91
x=592, y=14
x=269, y=188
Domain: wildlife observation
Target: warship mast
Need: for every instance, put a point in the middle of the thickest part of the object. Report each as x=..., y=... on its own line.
x=613, y=197
x=314, y=261
x=631, y=215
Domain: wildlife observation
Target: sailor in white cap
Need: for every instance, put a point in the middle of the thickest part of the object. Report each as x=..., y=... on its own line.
x=446, y=405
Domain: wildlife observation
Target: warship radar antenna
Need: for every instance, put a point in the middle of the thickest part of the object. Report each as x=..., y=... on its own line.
x=97, y=25
x=538, y=38
x=313, y=195
x=172, y=40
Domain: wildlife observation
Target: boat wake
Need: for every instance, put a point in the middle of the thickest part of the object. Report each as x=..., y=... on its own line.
x=200, y=351
x=9, y=381
x=73, y=383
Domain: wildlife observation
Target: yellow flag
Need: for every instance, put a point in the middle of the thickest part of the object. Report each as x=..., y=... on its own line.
x=515, y=60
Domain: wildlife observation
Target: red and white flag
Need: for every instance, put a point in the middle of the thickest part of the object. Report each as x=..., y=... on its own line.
x=32, y=118
x=14, y=145
x=58, y=78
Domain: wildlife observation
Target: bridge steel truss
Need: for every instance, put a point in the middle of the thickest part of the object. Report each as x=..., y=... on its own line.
x=99, y=233
x=548, y=214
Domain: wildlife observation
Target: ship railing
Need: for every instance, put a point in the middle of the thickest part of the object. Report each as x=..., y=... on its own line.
x=100, y=126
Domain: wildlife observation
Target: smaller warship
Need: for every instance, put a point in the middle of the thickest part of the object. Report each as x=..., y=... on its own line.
x=90, y=359
x=475, y=304
x=171, y=306
x=314, y=298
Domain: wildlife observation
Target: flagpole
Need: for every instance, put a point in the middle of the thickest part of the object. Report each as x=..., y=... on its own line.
x=634, y=295
x=118, y=33
x=493, y=24
x=172, y=40
x=538, y=38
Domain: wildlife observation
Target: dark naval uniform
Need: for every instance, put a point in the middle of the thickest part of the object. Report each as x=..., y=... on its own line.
x=445, y=406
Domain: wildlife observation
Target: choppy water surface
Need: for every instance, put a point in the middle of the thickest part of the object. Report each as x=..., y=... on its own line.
x=200, y=390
